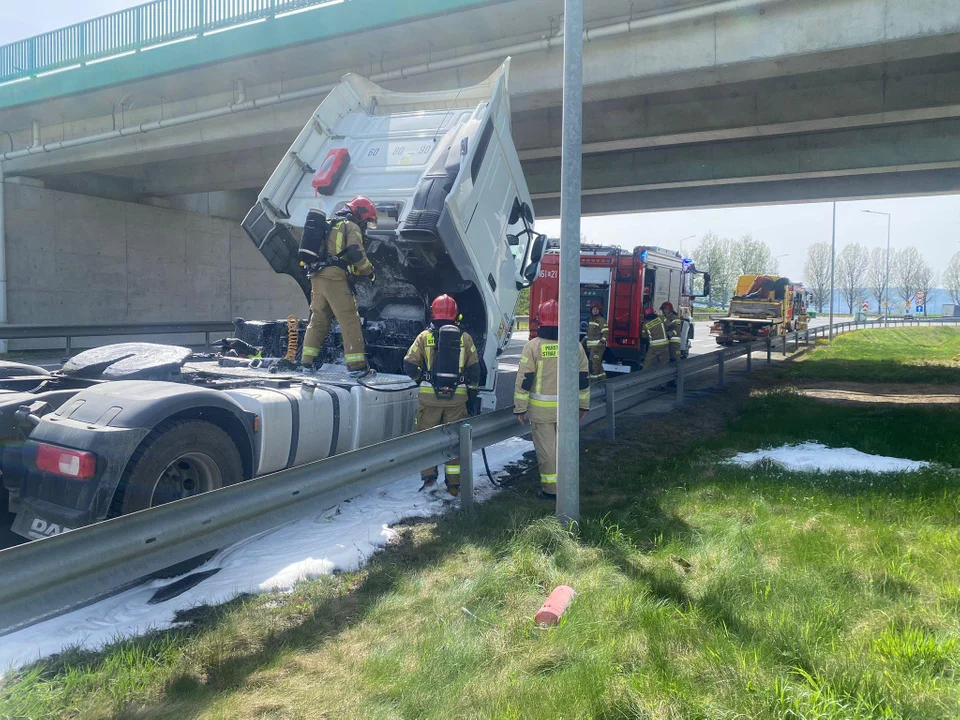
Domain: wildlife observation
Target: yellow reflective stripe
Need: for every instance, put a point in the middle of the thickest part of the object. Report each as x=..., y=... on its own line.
x=308, y=350
x=658, y=342
x=548, y=479
x=593, y=343
x=543, y=403
x=452, y=469
x=675, y=340
x=595, y=324
x=338, y=238
x=521, y=396
x=461, y=390
x=355, y=357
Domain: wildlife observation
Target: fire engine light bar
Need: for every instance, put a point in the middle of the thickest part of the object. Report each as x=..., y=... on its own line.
x=76, y=464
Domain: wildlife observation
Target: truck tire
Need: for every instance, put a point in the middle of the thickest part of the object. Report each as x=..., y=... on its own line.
x=179, y=458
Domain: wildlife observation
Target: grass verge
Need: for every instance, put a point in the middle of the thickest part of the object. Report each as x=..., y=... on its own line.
x=893, y=355
x=706, y=591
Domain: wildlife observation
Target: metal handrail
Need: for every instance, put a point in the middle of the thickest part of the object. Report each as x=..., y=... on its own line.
x=153, y=23
x=56, y=574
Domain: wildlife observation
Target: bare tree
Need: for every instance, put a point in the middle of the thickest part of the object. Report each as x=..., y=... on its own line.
x=951, y=278
x=816, y=273
x=904, y=265
x=852, y=264
x=752, y=257
x=713, y=254
x=877, y=276
x=926, y=278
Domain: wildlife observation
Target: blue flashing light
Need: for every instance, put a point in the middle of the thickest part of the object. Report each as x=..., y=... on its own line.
x=643, y=256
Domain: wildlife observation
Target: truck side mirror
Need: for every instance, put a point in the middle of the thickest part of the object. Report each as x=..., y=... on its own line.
x=536, y=252
x=530, y=272
x=706, y=285
x=513, y=240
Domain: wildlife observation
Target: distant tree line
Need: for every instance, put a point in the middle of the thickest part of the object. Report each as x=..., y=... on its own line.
x=727, y=259
x=863, y=276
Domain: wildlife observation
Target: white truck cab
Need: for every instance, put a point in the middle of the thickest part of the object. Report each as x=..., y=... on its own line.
x=455, y=215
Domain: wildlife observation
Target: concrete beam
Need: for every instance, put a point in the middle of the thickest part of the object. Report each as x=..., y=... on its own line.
x=780, y=192
x=829, y=154
x=783, y=39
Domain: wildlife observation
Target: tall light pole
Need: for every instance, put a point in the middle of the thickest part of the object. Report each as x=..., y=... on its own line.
x=683, y=240
x=568, y=403
x=833, y=262
x=886, y=280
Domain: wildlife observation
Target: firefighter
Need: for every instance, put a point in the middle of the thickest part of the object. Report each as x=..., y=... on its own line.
x=331, y=295
x=444, y=360
x=655, y=333
x=535, y=394
x=674, y=324
x=597, y=333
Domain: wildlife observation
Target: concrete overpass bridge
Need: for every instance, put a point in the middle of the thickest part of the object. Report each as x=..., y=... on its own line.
x=687, y=104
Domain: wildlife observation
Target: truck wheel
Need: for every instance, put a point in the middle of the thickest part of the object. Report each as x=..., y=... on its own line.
x=178, y=459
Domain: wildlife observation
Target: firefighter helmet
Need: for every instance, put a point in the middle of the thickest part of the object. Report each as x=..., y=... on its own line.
x=549, y=314
x=648, y=311
x=363, y=209
x=444, y=308
x=667, y=306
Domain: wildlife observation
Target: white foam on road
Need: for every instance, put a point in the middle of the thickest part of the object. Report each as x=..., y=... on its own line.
x=813, y=457
x=340, y=538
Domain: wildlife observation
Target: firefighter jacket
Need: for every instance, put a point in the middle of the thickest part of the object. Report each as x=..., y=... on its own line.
x=418, y=364
x=655, y=331
x=597, y=331
x=536, y=390
x=342, y=235
x=673, y=324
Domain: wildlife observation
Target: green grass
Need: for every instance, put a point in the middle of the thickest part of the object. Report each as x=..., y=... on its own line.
x=705, y=591
x=896, y=354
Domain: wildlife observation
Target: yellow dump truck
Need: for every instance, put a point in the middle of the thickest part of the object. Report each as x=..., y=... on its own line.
x=762, y=306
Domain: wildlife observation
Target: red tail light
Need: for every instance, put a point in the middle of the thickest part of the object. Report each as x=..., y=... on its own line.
x=77, y=464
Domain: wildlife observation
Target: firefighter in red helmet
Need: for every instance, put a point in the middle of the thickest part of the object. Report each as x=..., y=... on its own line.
x=331, y=296
x=597, y=332
x=535, y=394
x=444, y=360
x=674, y=324
x=654, y=333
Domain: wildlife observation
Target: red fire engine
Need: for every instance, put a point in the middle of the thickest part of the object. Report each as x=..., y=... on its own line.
x=624, y=282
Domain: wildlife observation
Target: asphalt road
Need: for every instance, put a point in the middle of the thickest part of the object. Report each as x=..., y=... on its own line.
x=703, y=342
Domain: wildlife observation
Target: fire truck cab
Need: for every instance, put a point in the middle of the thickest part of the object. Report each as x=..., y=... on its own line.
x=623, y=282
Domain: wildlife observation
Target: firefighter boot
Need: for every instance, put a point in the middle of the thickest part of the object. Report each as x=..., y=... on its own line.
x=429, y=482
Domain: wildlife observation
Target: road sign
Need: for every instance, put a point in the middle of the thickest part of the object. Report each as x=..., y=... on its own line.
x=919, y=309
x=921, y=296
x=866, y=305
x=886, y=304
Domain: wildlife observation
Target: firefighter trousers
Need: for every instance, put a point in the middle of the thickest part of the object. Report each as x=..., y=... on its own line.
x=597, y=373
x=430, y=416
x=675, y=348
x=656, y=355
x=545, y=443
x=330, y=298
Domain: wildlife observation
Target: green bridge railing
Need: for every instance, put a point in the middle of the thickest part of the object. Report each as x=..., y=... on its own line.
x=136, y=28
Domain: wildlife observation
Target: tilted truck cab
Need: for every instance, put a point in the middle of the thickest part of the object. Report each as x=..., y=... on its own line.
x=130, y=426
x=454, y=212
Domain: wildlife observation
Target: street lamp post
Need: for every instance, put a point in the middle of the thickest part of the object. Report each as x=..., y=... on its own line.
x=683, y=240
x=833, y=262
x=886, y=279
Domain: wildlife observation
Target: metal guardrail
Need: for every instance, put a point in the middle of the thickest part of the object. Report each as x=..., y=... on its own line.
x=32, y=332
x=57, y=574
x=153, y=23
